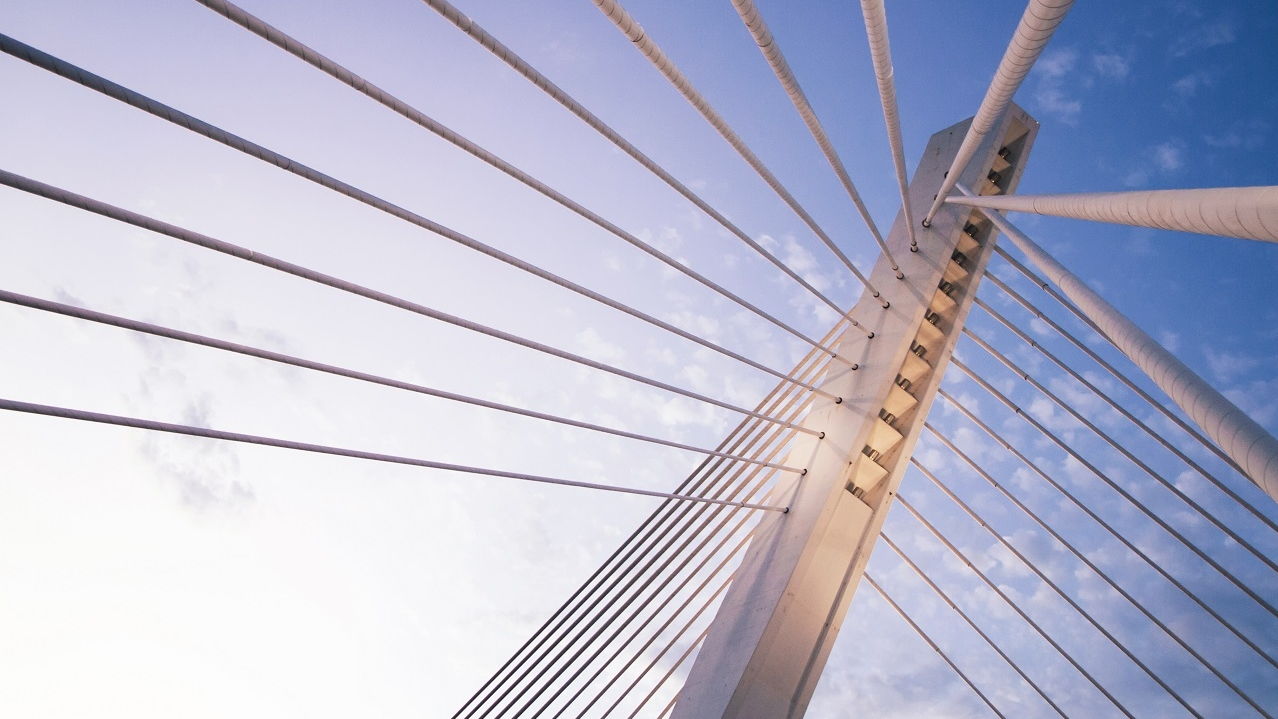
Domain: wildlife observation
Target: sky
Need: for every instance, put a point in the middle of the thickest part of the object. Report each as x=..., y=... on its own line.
x=147, y=575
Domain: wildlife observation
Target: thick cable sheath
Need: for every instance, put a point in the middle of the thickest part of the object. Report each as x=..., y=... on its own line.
x=1174, y=636
x=1132, y=499
x=1117, y=374
x=945, y=597
x=177, y=117
x=292, y=45
x=935, y=647
x=1082, y=507
x=136, y=423
x=776, y=60
x=521, y=66
x=1150, y=431
x=1249, y=213
x=1037, y=24
x=650, y=50
x=1241, y=437
x=1011, y=604
x=67, y=197
x=876, y=30
x=192, y=338
x=1078, y=416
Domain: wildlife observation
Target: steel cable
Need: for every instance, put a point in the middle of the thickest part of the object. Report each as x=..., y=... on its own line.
x=136, y=423
x=1239, y=634
x=1153, y=516
x=1069, y=409
x=177, y=117
x=935, y=647
x=521, y=66
x=1014, y=607
x=785, y=75
x=1079, y=555
x=1131, y=656
x=101, y=208
x=781, y=399
x=975, y=627
x=309, y=55
x=192, y=338
x=1153, y=434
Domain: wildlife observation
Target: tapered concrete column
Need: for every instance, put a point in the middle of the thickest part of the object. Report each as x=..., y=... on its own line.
x=1246, y=442
x=770, y=639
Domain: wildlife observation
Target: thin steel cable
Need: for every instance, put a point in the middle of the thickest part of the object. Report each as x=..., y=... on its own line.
x=136, y=423
x=635, y=576
x=1039, y=21
x=935, y=647
x=785, y=75
x=589, y=682
x=669, y=645
x=1169, y=446
x=653, y=586
x=971, y=623
x=1131, y=656
x=1014, y=606
x=1069, y=409
x=1240, y=436
x=309, y=55
x=669, y=561
x=1120, y=376
x=1081, y=557
x=554, y=652
x=876, y=31
x=666, y=677
x=116, y=213
x=650, y=50
x=192, y=338
x=177, y=117
x=747, y=435
x=971, y=416
x=1064, y=446
x=644, y=604
x=521, y=66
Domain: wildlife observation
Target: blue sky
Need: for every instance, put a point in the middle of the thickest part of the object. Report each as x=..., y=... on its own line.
x=146, y=574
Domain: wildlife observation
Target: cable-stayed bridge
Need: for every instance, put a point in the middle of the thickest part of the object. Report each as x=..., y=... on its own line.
x=968, y=384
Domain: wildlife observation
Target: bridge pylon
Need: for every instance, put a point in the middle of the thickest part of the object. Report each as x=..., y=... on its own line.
x=773, y=632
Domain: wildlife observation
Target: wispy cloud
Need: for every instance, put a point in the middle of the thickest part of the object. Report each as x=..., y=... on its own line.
x=1111, y=65
x=1164, y=159
x=1203, y=37
x=1243, y=134
x=1050, y=94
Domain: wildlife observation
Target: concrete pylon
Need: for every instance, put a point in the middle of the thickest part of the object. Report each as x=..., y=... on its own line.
x=770, y=639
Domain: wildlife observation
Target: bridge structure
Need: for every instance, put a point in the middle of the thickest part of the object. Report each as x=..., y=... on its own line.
x=967, y=338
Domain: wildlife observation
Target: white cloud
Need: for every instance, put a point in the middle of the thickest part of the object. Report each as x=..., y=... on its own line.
x=1204, y=37
x=1227, y=366
x=1050, y=94
x=1187, y=87
x=1111, y=65
x=1167, y=157
x=1247, y=135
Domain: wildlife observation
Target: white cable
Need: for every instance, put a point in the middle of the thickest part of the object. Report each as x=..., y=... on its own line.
x=1249, y=213
x=1036, y=27
x=876, y=31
